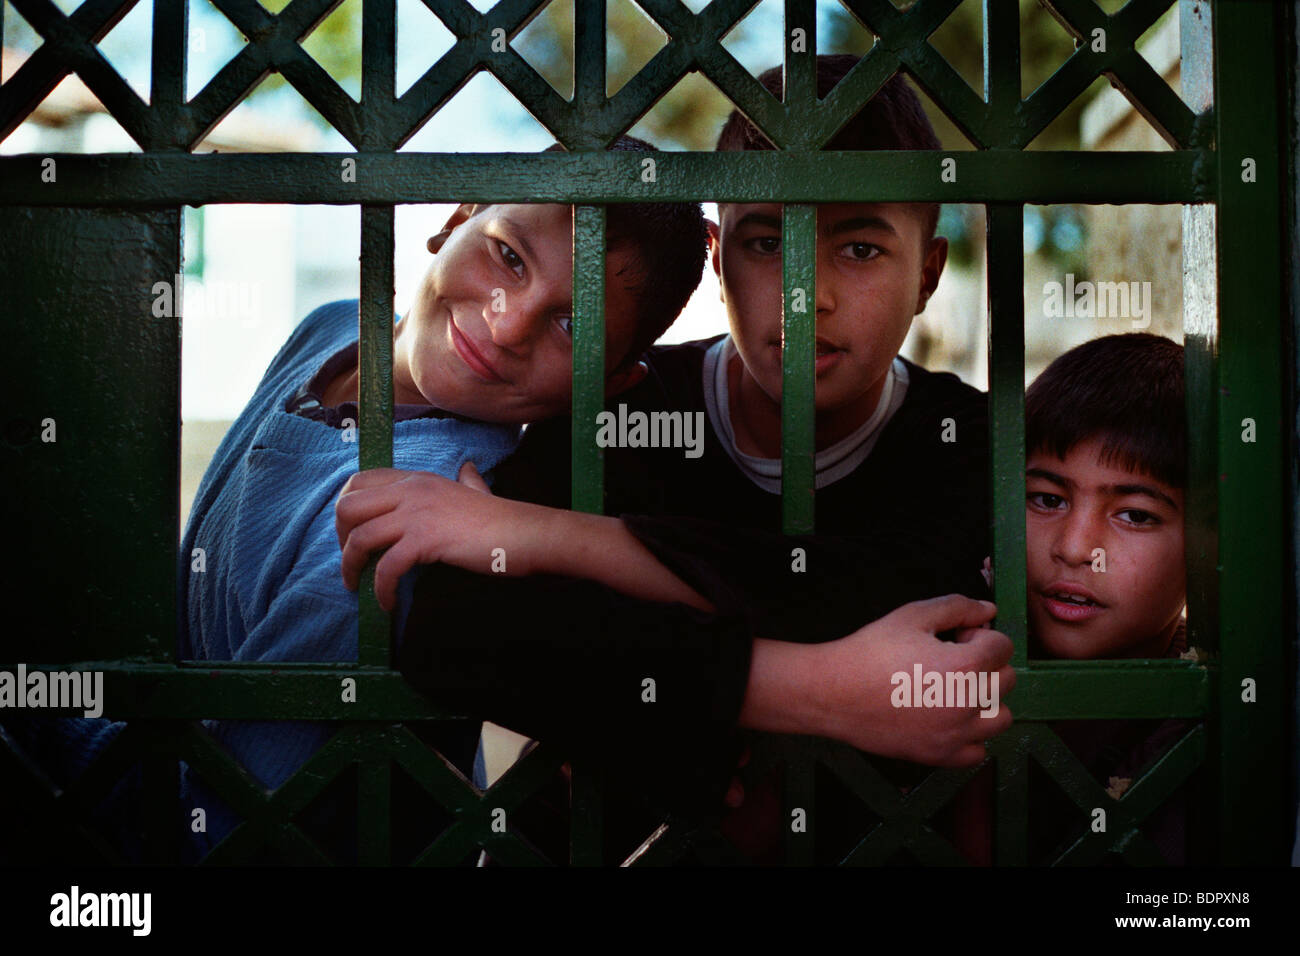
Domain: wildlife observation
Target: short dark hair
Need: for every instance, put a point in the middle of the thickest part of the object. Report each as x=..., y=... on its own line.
x=1127, y=391
x=892, y=119
x=671, y=242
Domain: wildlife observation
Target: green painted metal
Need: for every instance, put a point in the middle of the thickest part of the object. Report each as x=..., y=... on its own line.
x=995, y=175
x=92, y=484
x=588, y=356
x=1252, y=543
x=1006, y=306
x=798, y=333
x=131, y=205
x=375, y=430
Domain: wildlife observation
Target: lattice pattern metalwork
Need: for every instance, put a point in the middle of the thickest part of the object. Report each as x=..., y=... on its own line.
x=133, y=203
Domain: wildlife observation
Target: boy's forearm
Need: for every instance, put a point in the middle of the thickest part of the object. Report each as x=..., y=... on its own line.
x=781, y=696
x=603, y=550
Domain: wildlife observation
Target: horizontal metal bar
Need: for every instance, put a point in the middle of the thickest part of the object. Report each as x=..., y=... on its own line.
x=1135, y=690
x=1046, y=690
x=165, y=179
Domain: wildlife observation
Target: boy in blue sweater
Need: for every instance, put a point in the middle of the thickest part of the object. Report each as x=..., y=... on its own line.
x=485, y=347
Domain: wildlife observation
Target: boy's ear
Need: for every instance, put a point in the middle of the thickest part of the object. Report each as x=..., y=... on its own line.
x=715, y=252
x=936, y=256
x=624, y=377
x=463, y=212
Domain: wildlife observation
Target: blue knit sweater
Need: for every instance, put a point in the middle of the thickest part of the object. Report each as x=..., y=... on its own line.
x=271, y=585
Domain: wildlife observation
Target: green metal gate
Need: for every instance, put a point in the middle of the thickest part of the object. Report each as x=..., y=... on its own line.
x=94, y=514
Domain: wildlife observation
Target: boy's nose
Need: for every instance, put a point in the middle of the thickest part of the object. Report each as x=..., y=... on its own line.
x=513, y=327
x=1078, y=535
x=825, y=288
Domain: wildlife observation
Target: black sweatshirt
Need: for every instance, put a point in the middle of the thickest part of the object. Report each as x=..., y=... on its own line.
x=566, y=661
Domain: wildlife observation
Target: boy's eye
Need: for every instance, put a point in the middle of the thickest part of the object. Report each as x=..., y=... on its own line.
x=1045, y=500
x=765, y=245
x=1139, y=518
x=510, y=258
x=862, y=251
x=565, y=324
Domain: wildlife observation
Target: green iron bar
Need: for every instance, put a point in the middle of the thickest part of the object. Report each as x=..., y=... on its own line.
x=798, y=333
x=1045, y=690
x=798, y=309
x=375, y=430
x=587, y=469
x=378, y=68
x=374, y=803
x=995, y=175
x=1252, y=551
x=588, y=356
x=1006, y=415
x=1006, y=352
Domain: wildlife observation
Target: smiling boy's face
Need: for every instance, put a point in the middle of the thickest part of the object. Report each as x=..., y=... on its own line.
x=1076, y=505
x=489, y=335
x=874, y=273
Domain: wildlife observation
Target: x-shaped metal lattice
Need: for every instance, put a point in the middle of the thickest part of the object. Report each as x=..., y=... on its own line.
x=591, y=120
x=904, y=818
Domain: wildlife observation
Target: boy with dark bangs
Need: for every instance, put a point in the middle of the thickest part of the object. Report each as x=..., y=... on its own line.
x=1105, y=476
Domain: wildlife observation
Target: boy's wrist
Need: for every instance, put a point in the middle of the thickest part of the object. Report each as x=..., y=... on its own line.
x=783, y=692
x=556, y=541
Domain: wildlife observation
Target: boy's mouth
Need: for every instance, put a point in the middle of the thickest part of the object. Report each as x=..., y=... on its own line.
x=471, y=356
x=825, y=357
x=1070, y=603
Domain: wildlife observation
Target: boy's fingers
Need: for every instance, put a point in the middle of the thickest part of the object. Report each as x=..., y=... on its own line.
x=991, y=649
x=360, y=505
x=470, y=477
x=1006, y=679
x=999, y=723
x=395, y=562
x=373, y=478
x=949, y=612
x=362, y=541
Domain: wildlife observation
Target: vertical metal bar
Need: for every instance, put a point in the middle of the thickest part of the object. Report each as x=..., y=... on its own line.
x=588, y=356
x=800, y=85
x=1200, y=356
x=1002, y=59
x=1252, y=552
x=798, y=338
x=1011, y=800
x=1006, y=307
x=378, y=72
x=376, y=393
x=161, y=794
x=1200, y=382
x=374, y=805
x=589, y=57
x=170, y=36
